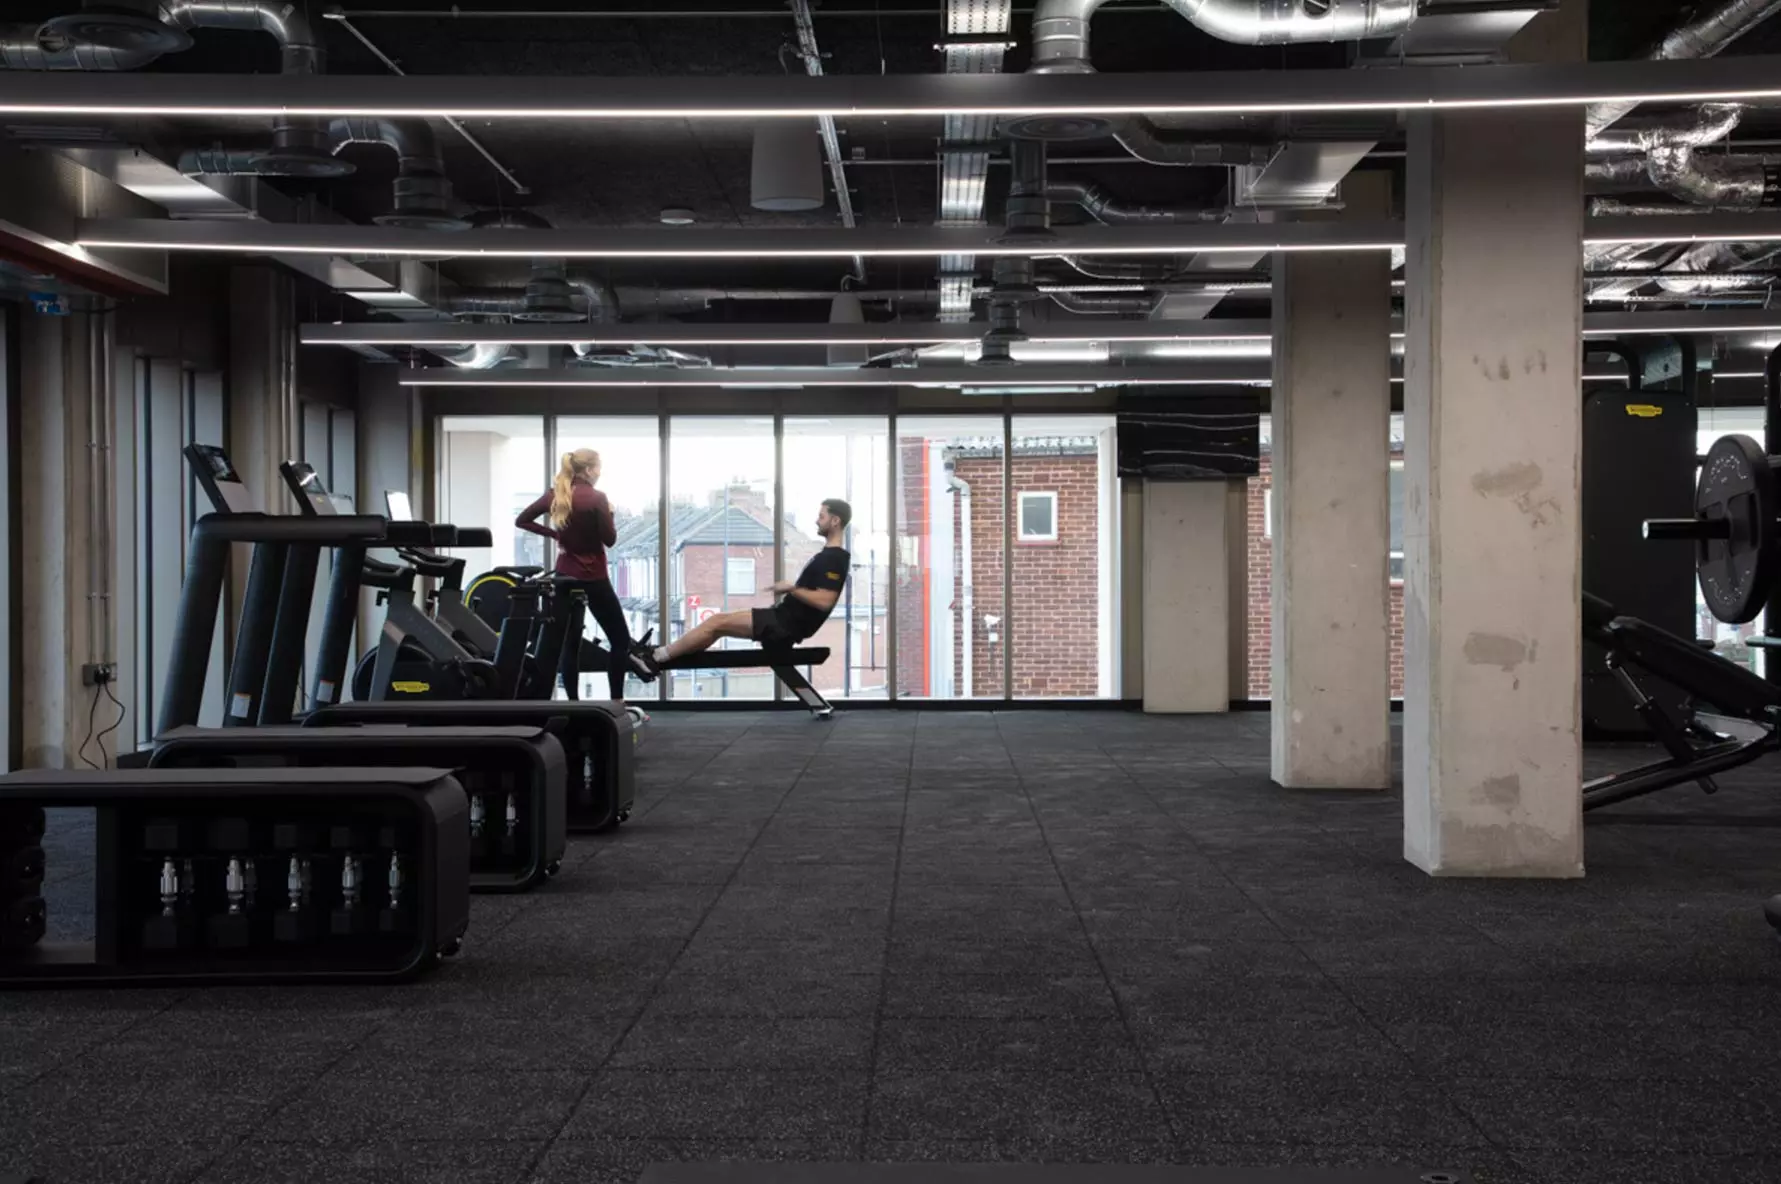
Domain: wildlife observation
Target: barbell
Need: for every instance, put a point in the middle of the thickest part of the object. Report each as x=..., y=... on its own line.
x=1736, y=528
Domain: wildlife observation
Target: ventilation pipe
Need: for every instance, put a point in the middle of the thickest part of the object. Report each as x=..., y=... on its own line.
x=548, y=297
x=422, y=193
x=1704, y=37
x=1140, y=304
x=484, y=356
x=1734, y=182
x=1103, y=207
x=1060, y=27
x=1027, y=217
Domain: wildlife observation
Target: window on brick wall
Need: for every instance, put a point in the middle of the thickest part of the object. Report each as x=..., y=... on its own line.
x=1038, y=517
x=739, y=576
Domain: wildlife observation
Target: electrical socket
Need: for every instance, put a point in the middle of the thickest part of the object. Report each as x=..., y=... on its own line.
x=95, y=674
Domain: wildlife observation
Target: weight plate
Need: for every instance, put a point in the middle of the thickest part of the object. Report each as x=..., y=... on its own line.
x=1737, y=484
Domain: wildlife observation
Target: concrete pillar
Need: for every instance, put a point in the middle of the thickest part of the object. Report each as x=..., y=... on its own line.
x=1331, y=404
x=1492, y=458
x=1187, y=617
x=68, y=571
x=1131, y=588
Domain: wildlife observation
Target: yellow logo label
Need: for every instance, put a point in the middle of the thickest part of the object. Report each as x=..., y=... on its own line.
x=834, y=575
x=411, y=688
x=1644, y=410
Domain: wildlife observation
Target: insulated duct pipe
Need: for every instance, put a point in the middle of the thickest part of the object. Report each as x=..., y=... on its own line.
x=1060, y=27
x=1105, y=208
x=1735, y=182
x=1704, y=37
x=548, y=298
x=1027, y=215
x=1151, y=144
x=1140, y=304
x=1708, y=124
x=485, y=356
x=422, y=197
x=123, y=36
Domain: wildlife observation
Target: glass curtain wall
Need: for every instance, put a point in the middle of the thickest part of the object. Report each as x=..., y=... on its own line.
x=721, y=538
x=1065, y=528
x=490, y=468
x=844, y=457
x=951, y=532
x=631, y=476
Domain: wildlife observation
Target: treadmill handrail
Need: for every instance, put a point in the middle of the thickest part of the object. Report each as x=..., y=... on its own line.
x=339, y=530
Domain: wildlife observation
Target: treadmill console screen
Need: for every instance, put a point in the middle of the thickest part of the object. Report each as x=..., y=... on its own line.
x=222, y=484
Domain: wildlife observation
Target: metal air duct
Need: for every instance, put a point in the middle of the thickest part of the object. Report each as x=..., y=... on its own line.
x=477, y=357
x=126, y=36
x=548, y=297
x=1060, y=27
x=1704, y=37
x=422, y=192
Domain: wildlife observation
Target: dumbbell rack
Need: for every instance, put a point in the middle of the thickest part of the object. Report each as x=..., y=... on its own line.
x=514, y=778
x=211, y=876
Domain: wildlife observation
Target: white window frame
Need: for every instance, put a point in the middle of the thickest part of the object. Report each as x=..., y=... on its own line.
x=1021, y=516
x=730, y=582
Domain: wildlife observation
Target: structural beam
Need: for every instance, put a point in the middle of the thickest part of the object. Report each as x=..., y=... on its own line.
x=768, y=333
x=585, y=97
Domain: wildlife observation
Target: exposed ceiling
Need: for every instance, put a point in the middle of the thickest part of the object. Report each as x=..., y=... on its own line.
x=624, y=174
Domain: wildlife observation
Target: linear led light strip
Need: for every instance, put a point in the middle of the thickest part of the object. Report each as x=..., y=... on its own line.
x=867, y=111
x=497, y=379
x=644, y=338
x=835, y=252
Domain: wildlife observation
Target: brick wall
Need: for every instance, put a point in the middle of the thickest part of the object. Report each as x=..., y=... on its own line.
x=1057, y=628
x=1261, y=570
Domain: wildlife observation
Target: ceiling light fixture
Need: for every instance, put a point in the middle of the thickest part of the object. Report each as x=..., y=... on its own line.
x=455, y=334
x=1263, y=92
x=928, y=377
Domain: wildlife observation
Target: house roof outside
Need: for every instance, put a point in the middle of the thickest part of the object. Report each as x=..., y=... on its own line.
x=702, y=526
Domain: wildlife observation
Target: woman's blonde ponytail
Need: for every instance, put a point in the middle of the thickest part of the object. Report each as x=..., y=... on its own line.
x=562, y=496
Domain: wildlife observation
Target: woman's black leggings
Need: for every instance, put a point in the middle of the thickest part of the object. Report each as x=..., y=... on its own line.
x=602, y=601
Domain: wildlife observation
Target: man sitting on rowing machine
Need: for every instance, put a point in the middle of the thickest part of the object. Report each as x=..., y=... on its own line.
x=807, y=601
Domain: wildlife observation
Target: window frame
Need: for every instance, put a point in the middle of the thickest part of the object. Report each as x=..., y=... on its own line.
x=1020, y=514
x=750, y=586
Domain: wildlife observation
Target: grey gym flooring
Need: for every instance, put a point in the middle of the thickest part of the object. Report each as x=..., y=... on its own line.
x=1061, y=936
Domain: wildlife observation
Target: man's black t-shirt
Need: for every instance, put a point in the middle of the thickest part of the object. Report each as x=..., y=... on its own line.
x=827, y=569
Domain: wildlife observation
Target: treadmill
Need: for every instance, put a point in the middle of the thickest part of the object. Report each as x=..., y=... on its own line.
x=598, y=737
x=515, y=772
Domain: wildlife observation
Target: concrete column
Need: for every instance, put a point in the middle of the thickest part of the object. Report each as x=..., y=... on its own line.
x=1187, y=617
x=1492, y=458
x=1331, y=719
x=387, y=448
x=69, y=568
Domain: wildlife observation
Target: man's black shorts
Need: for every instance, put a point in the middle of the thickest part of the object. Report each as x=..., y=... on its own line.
x=772, y=629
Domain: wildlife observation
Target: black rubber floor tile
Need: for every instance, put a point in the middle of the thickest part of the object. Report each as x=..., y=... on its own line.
x=786, y=994
x=138, y=1163
x=461, y=1040
x=1609, y=1167
x=175, y=1097
x=982, y=900
x=1466, y=955
x=690, y=1042
x=1238, y=1000
x=1141, y=962
x=727, y=951
x=1095, y=1114
x=622, y=1161
x=1216, y=1045
x=1318, y=1108
x=381, y=1162
x=994, y=951
x=1631, y=1052
x=1472, y=1164
x=371, y=1100
x=1184, y=925
x=1673, y=1117
x=721, y=1105
x=1050, y=1045
x=1037, y=995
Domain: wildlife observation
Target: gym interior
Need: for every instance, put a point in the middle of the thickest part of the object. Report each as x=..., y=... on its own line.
x=1188, y=582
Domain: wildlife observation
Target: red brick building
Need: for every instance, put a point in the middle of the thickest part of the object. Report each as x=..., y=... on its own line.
x=953, y=630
